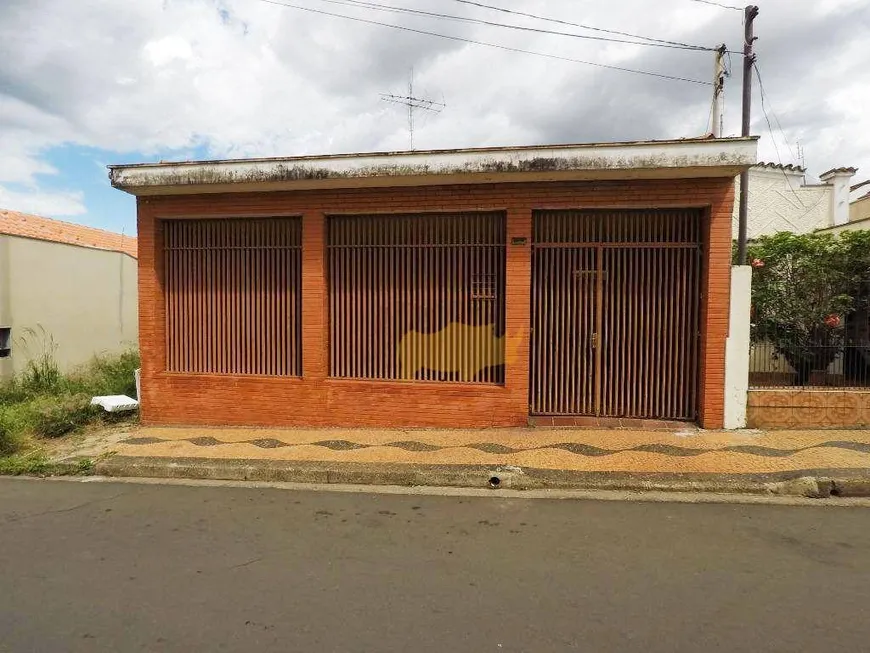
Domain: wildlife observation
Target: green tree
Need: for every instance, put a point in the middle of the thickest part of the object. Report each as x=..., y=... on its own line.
x=802, y=289
x=855, y=246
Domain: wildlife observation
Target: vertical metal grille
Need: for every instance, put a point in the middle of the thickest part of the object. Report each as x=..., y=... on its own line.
x=233, y=296
x=615, y=303
x=417, y=296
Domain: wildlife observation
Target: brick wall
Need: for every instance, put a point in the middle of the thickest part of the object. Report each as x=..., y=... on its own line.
x=318, y=400
x=789, y=408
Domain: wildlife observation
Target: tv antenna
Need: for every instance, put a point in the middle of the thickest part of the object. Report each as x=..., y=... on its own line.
x=413, y=103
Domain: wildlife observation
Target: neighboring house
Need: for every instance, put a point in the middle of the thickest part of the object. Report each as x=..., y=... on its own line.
x=481, y=287
x=64, y=287
x=859, y=210
x=781, y=200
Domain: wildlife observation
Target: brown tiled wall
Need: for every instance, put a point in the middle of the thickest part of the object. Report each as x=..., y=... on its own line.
x=317, y=400
x=785, y=409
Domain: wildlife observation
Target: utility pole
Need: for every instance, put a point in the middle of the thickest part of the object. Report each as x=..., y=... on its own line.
x=413, y=103
x=748, y=62
x=718, y=90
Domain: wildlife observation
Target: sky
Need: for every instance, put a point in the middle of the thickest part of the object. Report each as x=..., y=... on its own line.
x=87, y=83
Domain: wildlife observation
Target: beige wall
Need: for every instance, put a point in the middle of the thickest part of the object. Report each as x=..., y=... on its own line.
x=85, y=299
x=860, y=209
x=857, y=225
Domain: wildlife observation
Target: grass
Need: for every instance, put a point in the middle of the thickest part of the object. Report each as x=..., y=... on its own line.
x=36, y=463
x=31, y=463
x=42, y=402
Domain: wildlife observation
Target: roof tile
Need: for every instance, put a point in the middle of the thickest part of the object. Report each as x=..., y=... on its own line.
x=25, y=225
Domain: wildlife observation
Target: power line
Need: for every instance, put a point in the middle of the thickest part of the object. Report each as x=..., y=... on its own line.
x=719, y=4
x=582, y=26
x=773, y=139
x=506, y=48
x=392, y=8
x=773, y=113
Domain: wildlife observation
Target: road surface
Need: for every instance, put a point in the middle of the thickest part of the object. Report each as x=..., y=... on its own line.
x=127, y=567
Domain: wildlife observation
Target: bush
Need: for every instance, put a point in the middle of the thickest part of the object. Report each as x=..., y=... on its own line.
x=807, y=294
x=106, y=375
x=44, y=402
x=8, y=443
x=57, y=416
x=14, y=421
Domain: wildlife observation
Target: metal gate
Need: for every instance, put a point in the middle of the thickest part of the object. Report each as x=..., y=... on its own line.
x=417, y=296
x=615, y=304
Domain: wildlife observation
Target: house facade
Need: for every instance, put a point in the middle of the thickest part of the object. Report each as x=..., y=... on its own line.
x=780, y=199
x=859, y=210
x=461, y=288
x=65, y=289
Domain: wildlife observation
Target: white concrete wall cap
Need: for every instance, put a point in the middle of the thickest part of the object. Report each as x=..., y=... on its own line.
x=713, y=157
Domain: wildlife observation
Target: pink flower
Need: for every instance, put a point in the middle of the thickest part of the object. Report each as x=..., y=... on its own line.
x=757, y=263
x=833, y=321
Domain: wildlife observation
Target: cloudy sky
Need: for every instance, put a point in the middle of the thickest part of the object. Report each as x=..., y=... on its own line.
x=85, y=83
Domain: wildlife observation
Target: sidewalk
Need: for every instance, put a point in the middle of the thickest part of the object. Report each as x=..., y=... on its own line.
x=522, y=458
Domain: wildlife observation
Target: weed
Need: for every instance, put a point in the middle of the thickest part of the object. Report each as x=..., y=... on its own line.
x=57, y=416
x=42, y=373
x=44, y=402
x=85, y=466
x=33, y=462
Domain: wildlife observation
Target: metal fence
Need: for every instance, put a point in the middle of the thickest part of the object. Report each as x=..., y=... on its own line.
x=233, y=296
x=809, y=364
x=417, y=297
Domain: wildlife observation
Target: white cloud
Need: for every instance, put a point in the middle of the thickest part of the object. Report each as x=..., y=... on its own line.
x=43, y=203
x=249, y=78
x=168, y=49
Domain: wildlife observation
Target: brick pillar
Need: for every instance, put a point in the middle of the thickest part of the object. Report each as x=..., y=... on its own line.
x=517, y=319
x=152, y=309
x=315, y=352
x=715, y=309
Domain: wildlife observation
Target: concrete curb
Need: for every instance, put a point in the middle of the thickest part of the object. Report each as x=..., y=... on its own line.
x=803, y=483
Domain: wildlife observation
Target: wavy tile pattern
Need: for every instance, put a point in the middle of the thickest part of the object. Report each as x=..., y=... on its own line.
x=576, y=448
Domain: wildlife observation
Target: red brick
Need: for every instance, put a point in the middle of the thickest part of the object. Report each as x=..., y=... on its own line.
x=318, y=400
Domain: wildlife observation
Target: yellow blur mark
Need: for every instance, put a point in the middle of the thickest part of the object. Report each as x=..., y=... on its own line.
x=457, y=349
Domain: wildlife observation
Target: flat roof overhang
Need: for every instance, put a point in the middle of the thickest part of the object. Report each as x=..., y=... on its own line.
x=680, y=159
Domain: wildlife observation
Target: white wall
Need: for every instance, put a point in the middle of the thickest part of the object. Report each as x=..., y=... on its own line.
x=85, y=299
x=737, y=348
x=779, y=202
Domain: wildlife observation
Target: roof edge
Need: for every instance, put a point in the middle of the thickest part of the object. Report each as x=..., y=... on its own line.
x=714, y=157
x=36, y=227
x=460, y=150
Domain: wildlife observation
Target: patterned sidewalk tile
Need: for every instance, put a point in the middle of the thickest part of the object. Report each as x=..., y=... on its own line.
x=569, y=449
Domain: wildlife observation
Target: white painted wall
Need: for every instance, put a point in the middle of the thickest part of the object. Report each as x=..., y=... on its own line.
x=839, y=183
x=85, y=299
x=737, y=348
x=779, y=202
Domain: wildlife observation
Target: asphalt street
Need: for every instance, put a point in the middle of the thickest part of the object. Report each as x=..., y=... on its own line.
x=128, y=567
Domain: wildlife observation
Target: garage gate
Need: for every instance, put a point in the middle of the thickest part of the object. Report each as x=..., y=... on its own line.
x=615, y=313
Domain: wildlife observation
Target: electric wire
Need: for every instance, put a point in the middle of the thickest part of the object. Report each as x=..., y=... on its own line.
x=498, y=46
x=367, y=4
x=581, y=25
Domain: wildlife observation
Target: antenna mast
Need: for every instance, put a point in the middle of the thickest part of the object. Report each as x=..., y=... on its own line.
x=413, y=103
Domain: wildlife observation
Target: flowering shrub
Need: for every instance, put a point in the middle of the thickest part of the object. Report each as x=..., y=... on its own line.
x=801, y=286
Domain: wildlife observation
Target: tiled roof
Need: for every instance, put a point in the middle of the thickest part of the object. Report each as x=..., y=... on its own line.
x=779, y=166
x=25, y=225
x=833, y=171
